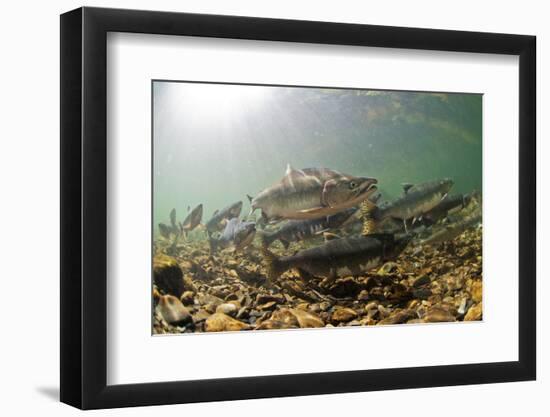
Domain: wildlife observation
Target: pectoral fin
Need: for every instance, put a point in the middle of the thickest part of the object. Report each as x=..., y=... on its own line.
x=330, y=236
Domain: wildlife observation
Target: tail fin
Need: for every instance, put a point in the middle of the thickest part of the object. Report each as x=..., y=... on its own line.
x=274, y=266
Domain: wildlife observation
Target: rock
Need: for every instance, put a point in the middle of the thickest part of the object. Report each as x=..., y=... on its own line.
x=188, y=283
x=316, y=308
x=422, y=293
x=270, y=305
x=421, y=281
x=384, y=312
x=398, y=317
x=324, y=305
x=188, y=297
x=476, y=290
x=371, y=309
x=346, y=287
x=415, y=321
x=266, y=298
x=343, y=315
x=201, y=315
x=274, y=324
x=220, y=322
x=167, y=275
x=438, y=314
x=388, y=268
x=462, y=306
x=474, y=313
x=243, y=313
x=172, y=311
x=210, y=302
x=280, y=319
x=227, y=308
x=307, y=319
x=363, y=296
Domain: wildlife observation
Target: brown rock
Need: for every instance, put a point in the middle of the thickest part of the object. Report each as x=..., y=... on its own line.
x=280, y=319
x=438, y=314
x=421, y=281
x=270, y=305
x=172, y=310
x=384, y=311
x=346, y=287
x=388, y=268
x=167, y=275
x=477, y=291
x=201, y=315
x=398, y=317
x=220, y=322
x=227, y=308
x=415, y=321
x=188, y=297
x=209, y=300
x=343, y=315
x=266, y=298
x=307, y=319
x=474, y=313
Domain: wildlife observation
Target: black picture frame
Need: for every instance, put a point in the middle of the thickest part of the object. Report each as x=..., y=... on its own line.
x=84, y=207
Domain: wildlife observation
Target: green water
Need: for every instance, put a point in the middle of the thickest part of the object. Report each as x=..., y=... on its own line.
x=215, y=143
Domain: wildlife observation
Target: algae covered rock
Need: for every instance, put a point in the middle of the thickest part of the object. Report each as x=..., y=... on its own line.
x=167, y=275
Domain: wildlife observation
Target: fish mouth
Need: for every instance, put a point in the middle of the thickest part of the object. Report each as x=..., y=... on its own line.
x=368, y=187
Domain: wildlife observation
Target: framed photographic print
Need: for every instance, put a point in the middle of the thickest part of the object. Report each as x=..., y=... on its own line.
x=257, y=208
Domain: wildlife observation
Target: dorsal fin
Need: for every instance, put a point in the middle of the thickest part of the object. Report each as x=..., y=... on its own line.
x=288, y=169
x=292, y=172
x=292, y=176
x=406, y=187
x=215, y=212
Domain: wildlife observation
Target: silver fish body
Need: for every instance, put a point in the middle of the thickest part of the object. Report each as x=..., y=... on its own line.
x=220, y=217
x=237, y=233
x=192, y=220
x=340, y=257
x=312, y=193
x=416, y=200
x=298, y=230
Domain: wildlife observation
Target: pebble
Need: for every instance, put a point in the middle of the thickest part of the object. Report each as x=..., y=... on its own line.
x=438, y=314
x=220, y=322
x=227, y=308
x=307, y=319
x=474, y=313
x=172, y=311
x=476, y=290
x=398, y=317
x=188, y=297
x=421, y=281
x=343, y=315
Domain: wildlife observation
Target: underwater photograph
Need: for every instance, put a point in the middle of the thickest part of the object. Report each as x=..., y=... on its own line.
x=283, y=207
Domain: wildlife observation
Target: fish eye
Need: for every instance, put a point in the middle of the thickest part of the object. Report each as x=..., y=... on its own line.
x=352, y=185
